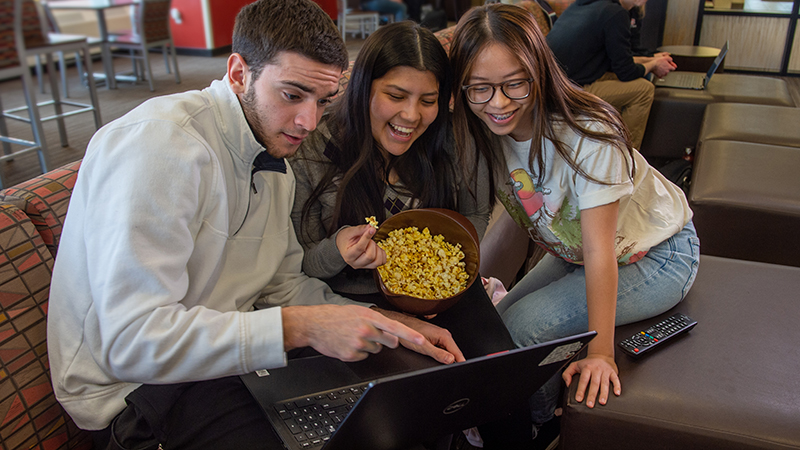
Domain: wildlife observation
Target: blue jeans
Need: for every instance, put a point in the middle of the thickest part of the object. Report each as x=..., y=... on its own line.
x=550, y=301
x=386, y=7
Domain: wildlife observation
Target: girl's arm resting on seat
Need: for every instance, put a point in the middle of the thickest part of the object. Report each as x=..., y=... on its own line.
x=598, y=370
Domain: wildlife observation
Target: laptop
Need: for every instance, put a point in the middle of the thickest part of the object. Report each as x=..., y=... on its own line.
x=405, y=409
x=692, y=80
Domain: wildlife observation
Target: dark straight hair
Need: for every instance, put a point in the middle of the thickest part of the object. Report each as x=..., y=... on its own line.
x=556, y=100
x=427, y=170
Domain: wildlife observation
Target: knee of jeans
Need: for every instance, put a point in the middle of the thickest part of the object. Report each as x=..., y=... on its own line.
x=524, y=333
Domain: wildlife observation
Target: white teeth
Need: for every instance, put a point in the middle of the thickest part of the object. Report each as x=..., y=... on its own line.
x=403, y=130
x=502, y=116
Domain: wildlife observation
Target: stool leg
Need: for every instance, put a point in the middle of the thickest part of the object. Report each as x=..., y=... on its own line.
x=62, y=63
x=146, y=61
x=175, y=62
x=132, y=52
x=39, y=73
x=79, y=65
x=108, y=66
x=59, y=114
x=98, y=121
x=4, y=131
x=36, y=119
x=166, y=57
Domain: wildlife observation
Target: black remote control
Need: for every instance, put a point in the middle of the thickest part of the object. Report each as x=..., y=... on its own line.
x=646, y=340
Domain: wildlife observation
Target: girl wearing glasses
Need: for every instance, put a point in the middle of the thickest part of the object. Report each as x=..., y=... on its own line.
x=620, y=241
x=385, y=147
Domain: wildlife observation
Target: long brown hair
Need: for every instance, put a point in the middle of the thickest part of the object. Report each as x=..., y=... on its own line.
x=427, y=170
x=555, y=98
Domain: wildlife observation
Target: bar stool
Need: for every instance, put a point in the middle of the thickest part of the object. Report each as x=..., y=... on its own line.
x=53, y=30
x=367, y=21
x=20, y=39
x=151, y=29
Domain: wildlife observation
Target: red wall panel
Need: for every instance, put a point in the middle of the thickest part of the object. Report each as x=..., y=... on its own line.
x=223, y=15
x=329, y=6
x=191, y=32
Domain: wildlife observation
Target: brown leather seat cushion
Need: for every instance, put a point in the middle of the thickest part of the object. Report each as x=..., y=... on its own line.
x=746, y=201
x=677, y=114
x=729, y=383
x=764, y=124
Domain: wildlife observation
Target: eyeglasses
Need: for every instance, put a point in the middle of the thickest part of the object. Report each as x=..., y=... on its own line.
x=483, y=92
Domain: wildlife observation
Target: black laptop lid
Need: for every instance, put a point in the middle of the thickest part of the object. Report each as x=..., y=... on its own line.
x=403, y=410
x=717, y=61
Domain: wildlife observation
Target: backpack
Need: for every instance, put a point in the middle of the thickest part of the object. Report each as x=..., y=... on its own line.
x=678, y=171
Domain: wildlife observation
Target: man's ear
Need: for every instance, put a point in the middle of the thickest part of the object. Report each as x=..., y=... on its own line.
x=237, y=73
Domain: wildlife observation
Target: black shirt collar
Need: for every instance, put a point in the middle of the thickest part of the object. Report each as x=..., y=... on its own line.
x=265, y=161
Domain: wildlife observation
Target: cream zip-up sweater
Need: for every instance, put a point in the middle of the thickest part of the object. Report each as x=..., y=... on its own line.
x=173, y=256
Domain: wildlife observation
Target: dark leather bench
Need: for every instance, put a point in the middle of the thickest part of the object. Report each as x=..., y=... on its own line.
x=764, y=124
x=746, y=201
x=677, y=114
x=729, y=383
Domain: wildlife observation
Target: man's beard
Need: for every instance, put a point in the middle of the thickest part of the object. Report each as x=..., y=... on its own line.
x=252, y=115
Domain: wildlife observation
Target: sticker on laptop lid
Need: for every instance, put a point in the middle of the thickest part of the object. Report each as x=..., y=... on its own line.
x=562, y=353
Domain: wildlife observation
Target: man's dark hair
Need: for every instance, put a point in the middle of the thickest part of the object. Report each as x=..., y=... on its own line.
x=266, y=28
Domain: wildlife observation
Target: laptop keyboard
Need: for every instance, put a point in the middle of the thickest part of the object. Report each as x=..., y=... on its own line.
x=685, y=79
x=312, y=419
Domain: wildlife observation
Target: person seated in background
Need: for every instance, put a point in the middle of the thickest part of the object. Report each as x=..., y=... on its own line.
x=385, y=147
x=592, y=42
x=396, y=8
x=414, y=9
x=178, y=267
x=636, y=15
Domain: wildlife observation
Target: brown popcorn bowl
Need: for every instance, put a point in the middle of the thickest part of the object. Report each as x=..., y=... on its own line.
x=456, y=229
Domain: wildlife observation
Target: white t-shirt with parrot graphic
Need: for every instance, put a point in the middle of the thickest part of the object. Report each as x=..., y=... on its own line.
x=651, y=208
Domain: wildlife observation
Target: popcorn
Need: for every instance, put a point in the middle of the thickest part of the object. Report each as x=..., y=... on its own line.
x=422, y=265
x=372, y=221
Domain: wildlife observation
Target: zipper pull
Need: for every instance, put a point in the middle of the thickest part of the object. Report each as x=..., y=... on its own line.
x=253, y=185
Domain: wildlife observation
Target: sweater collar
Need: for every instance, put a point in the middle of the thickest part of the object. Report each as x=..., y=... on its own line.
x=242, y=143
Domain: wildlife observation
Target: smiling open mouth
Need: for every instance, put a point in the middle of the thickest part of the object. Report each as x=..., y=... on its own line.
x=401, y=131
x=502, y=117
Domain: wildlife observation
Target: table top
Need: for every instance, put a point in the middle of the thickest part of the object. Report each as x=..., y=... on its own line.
x=696, y=51
x=88, y=4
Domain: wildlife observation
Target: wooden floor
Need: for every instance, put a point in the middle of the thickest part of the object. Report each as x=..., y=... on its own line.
x=197, y=72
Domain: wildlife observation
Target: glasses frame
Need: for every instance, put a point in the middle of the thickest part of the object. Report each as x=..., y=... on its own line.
x=494, y=87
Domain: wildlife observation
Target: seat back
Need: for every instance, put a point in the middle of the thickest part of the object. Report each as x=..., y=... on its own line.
x=20, y=27
x=45, y=199
x=30, y=415
x=543, y=19
x=152, y=20
x=49, y=18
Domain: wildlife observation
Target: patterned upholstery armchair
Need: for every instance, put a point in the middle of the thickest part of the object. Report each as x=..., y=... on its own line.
x=44, y=199
x=30, y=416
